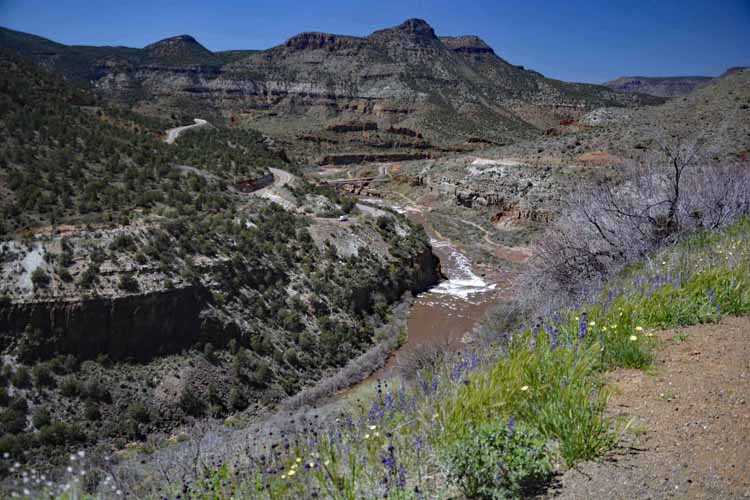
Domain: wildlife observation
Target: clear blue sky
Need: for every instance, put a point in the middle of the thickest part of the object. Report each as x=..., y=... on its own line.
x=568, y=39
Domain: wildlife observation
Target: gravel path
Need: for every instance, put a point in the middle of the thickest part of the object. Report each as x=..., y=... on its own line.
x=690, y=430
x=174, y=133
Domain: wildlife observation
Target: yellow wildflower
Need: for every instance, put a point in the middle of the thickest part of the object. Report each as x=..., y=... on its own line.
x=525, y=388
x=638, y=328
x=373, y=427
x=633, y=337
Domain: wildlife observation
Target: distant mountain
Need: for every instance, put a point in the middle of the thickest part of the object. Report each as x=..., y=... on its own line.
x=668, y=86
x=401, y=89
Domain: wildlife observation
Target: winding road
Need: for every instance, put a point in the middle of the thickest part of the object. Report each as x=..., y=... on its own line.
x=174, y=133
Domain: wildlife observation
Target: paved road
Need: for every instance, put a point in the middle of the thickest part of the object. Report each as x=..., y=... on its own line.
x=174, y=133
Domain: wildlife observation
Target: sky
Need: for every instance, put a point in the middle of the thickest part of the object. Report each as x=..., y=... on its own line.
x=574, y=40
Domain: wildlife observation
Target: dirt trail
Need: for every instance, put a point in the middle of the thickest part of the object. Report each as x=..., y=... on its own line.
x=174, y=133
x=690, y=430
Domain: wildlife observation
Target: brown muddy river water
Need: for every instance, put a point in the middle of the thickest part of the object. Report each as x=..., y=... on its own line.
x=448, y=311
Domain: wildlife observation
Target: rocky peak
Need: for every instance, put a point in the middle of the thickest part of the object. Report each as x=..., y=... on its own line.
x=411, y=29
x=470, y=44
x=417, y=27
x=179, y=49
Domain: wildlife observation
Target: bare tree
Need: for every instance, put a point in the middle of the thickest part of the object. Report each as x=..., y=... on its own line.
x=604, y=227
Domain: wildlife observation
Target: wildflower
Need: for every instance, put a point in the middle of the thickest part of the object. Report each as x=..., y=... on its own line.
x=373, y=427
x=525, y=388
x=638, y=328
x=326, y=463
x=592, y=323
x=291, y=473
x=367, y=436
x=633, y=338
x=299, y=460
x=376, y=434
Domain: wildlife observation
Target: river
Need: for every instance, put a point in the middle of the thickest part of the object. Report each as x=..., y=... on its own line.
x=448, y=311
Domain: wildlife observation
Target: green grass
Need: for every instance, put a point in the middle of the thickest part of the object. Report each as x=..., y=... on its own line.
x=548, y=378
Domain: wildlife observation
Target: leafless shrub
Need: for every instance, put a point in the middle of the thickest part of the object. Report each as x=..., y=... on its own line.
x=504, y=317
x=427, y=355
x=604, y=227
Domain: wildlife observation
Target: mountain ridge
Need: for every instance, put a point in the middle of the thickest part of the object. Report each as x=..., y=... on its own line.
x=661, y=86
x=454, y=91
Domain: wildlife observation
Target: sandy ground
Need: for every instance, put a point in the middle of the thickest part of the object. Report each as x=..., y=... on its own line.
x=690, y=430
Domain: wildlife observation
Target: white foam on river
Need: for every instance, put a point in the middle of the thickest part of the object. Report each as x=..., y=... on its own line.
x=462, y=282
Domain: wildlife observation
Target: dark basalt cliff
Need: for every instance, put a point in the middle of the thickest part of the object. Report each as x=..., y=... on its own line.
x=143, y=326
x=131, y=326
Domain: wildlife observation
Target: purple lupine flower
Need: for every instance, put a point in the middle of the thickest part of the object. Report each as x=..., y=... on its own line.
x=401, y=481
x=511, y=426
x=582, y=326
x=553, y=340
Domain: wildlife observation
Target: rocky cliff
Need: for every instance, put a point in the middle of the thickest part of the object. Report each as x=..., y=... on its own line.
x=139, y=327
x=671, y=86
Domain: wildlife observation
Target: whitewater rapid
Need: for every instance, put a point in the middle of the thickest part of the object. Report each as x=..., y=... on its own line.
x=462, y=282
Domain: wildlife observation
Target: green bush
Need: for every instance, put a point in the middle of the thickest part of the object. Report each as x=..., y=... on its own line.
x=128, y=283
x=209, y=352
x=498, y=460
x=40, y=278
x=96, y=391
x=91, y=410
x=41, y=418
x=22, y=377
x=60, y=433
x=42, y=375
x=64, y=274
x=70, y=387
x=237, y=399
x=138, y=412
x=13, y=418
x=191, y=403
x=90, y=276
